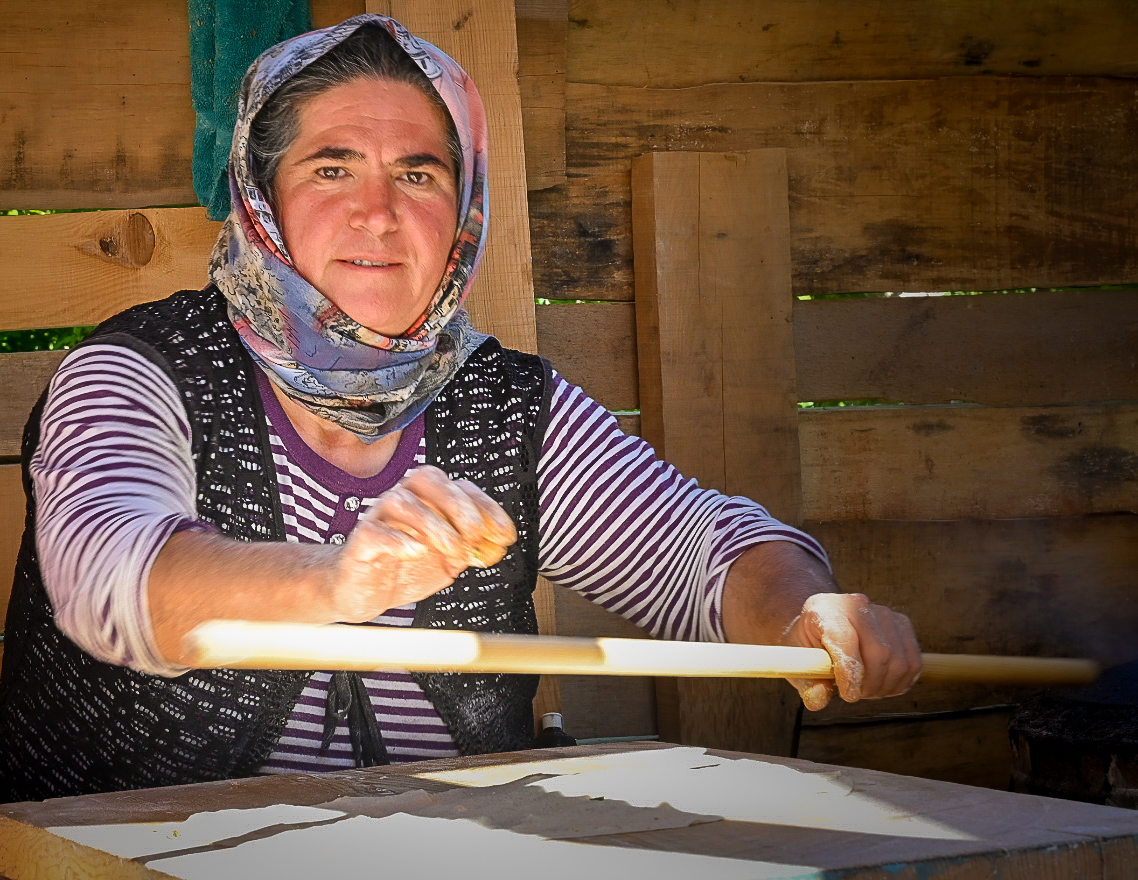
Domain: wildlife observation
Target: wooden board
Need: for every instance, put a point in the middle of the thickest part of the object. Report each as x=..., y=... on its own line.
x=787, y=818
x=692, y=42
x=593, y=345
x=1074, y=346
x=1008, y=349
x=629, y=423
x=326, y=13
x=951, y=462
x=1031, y=587
x=483, y=39
x=548, y=697
x=713, y=276
x=970, y=748
x=602, y=706
x=543, y=26
x=97, y=105
x=11, y=531
x=11, y=526
x=61, y=270
x=973, y=183
x=23, y=377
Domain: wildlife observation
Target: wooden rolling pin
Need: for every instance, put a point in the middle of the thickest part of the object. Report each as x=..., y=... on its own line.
x=247, y=645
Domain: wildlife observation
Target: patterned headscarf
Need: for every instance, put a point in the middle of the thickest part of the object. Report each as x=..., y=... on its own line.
x=320, y=357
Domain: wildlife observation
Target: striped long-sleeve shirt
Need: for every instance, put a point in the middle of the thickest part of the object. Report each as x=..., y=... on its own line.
x=114, y=479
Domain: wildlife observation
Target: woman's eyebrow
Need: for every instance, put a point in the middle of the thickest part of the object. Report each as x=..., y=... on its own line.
x=346, y=154
x=421, y=160
x=335, y=154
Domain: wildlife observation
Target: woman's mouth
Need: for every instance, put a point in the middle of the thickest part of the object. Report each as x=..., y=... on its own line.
x=369, y=263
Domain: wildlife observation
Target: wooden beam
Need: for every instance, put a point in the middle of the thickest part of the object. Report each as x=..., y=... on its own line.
x=11, y=528
x=955, y=462
x=593, y=345
x=11, y=532
x=1009, y=349
x=969, y=748
x=25, y=376
x=97, y=105
x=1061, y=587
x=1066, y=347
x=692, y=42
x=62, y=270
x=961, y=183
x=543, y=27
x=612, y=706
x=548, y=697
x=326, y=13
x=712, y=244
x=483, y=39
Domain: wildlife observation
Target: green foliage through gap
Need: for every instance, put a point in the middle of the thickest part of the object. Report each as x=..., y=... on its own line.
x=57, y=339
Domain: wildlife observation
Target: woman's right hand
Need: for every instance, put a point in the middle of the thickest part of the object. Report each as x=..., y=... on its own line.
x=419, y=536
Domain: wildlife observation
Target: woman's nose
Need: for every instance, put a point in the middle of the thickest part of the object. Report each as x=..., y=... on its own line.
x=375, y=207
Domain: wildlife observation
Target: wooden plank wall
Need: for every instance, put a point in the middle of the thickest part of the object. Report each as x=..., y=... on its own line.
x=951, y=146
x=712, y=277
x=962, y=148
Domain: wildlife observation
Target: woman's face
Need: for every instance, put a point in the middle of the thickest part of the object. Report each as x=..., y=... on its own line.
x=367, y=201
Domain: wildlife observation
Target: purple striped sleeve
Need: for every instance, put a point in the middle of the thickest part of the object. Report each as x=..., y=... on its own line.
x=113, y=479
x=631, y=533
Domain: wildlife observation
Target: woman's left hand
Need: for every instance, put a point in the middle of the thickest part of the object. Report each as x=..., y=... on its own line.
x=874, y=649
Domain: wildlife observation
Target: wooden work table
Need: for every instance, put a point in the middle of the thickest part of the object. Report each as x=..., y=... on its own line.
x=781, y=818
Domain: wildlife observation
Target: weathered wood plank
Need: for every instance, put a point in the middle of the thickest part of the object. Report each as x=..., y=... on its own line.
x=905, y=828
x=543, y=27
x=1032, y=587
x=548, y=697
x=593, y=345
x=602, y=706
x=97, y=110
x=483, y=39
x=962, y=183
x=629, y=423
x=1034, y=348
x=692, y=42
x=1031, y=348
x=61, y=270
x=25, y=375
x=666, y=224
x=951, y=462
x=326, y=13
x=744, y=267
x=11, y=531
x=970, y=749
x=712, y=239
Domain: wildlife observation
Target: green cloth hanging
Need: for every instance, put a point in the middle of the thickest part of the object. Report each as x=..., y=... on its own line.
x=225, y=37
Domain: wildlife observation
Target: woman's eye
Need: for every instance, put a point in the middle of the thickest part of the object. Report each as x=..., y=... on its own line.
x=329, y=172
x=418, y=177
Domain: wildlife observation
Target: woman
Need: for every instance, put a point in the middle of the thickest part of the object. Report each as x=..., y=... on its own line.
x=320, y=435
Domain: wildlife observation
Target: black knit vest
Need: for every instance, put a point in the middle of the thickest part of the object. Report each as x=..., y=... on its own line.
x=70, y=724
